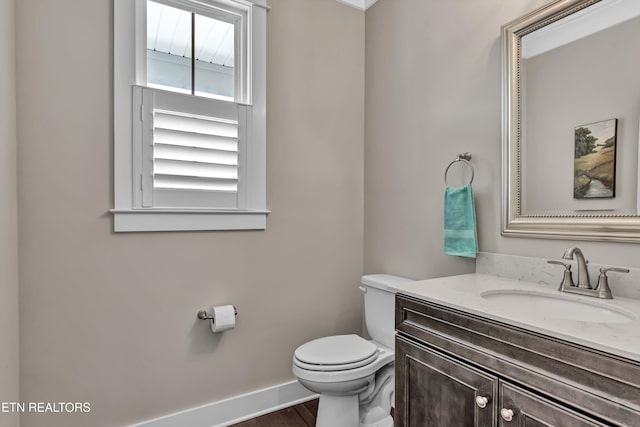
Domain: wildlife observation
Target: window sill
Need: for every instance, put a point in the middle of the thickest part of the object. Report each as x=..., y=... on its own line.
x=141, y=220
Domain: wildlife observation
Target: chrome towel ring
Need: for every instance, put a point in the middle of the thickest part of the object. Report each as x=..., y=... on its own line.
x=464, y=158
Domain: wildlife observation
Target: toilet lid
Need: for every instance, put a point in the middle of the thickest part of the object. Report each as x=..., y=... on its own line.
x=338, y=350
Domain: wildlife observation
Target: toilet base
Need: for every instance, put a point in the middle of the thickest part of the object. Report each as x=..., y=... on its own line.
x=377, y=418
x=375, y=406
x=338, y=411
x=344, y=411
x=369, y=406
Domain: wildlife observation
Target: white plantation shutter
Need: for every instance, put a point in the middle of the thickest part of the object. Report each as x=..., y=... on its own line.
x=194, y=153
x=190, y=150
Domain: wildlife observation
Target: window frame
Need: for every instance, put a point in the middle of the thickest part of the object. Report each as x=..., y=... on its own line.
x=130, y=70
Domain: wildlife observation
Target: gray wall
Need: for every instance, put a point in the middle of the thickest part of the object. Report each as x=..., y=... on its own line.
x=9, y=361
x=111, y=319
x=433, y=90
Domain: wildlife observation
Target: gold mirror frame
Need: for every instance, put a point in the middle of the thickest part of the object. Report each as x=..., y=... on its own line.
x=515, y=223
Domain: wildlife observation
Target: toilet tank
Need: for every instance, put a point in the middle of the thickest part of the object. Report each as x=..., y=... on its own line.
x=379, y=306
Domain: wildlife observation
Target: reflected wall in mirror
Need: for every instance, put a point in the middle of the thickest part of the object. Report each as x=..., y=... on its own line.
x=571, y=63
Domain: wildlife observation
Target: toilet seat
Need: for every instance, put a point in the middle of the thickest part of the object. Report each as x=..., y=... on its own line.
x=335, y=353
x=382, y=357
x=332, y=368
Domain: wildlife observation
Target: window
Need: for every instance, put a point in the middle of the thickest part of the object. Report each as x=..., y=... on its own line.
x=200, y=51
x=189, y=115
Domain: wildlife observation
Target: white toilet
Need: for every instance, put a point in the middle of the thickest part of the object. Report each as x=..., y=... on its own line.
x=353, y=376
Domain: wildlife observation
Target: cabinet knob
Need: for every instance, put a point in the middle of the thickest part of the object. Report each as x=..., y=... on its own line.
x=481, y=401
x=506, y=414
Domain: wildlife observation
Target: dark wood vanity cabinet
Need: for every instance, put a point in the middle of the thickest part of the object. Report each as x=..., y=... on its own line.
x=455, y=369
x=440, y=391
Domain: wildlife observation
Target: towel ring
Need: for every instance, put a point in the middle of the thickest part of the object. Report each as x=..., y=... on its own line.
x=464, y=158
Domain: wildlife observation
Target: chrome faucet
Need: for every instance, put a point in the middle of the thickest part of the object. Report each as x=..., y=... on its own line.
x=583, y=287
x=583, y=272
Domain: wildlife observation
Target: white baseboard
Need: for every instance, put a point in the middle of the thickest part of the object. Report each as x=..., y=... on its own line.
x=235, y=409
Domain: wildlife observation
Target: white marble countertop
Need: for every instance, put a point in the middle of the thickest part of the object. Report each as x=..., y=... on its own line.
x=619, y=335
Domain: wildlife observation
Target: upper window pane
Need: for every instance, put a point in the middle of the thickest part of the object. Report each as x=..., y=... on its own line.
x=215, y=59
x=168, y=47
x=169, y=52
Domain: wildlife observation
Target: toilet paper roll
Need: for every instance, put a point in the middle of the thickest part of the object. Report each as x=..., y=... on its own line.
x=224, y=318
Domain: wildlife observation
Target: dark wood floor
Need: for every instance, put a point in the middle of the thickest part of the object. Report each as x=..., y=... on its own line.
x=302, y=415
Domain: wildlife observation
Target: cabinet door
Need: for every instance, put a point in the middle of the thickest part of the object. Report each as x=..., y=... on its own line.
x=524, y=409
x=436, y=391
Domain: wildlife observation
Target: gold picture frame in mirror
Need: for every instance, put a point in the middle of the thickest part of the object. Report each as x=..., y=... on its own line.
x=564, y=65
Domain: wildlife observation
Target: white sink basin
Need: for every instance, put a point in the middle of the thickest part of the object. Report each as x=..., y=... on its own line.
x=558, y=306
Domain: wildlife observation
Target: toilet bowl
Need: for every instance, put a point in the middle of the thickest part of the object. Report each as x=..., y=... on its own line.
x=354, y=376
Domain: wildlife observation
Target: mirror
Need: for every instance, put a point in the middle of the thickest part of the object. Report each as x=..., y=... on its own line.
x=571, y=111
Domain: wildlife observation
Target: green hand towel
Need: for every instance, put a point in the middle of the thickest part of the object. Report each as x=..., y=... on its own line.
x=460, y=233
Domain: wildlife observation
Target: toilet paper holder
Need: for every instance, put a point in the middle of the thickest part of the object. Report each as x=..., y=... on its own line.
x=203, y=315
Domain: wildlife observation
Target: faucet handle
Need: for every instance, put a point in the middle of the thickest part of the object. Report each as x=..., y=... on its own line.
x=567, y=279
x=603, y=281
x=616, y=269
x=566, y=264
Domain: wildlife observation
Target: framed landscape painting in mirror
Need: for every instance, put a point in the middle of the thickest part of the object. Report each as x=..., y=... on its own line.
x=594, y=166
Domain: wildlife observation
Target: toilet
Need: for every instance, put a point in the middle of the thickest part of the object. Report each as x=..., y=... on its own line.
x=354, y=376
